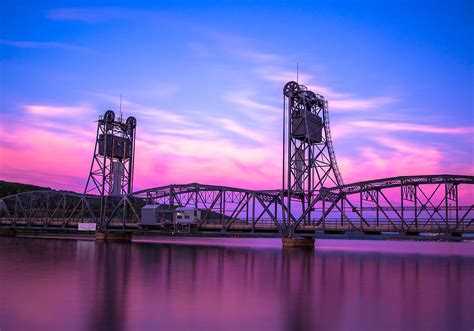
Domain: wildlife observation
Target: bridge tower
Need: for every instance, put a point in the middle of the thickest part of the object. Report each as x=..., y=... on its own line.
x=310, y=159
x=111, y=172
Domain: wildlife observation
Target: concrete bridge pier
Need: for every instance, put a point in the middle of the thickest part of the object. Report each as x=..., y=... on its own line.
x=298, y=243
x=113, y=236
x=7, y=232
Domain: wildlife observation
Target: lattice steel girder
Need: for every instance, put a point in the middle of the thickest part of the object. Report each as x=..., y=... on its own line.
x=232, y=204
x=48, y=207
x=378, y=205
x=404, y=217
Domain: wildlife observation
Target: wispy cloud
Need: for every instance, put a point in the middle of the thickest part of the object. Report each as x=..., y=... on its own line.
x=92, y=15
x=338, y=101
x=152, y=114
x=247, y=102
x=281, y=76
x=390, y=157
x=233, y=126
x=217, y=41
x=200, y=49
x=195, y=125
x=255, y=55
x=159, y=115
x=58, y=111
x=65, y=166
x=380, y=127
x=46, y=44
x=401, y=126
x=350, y=104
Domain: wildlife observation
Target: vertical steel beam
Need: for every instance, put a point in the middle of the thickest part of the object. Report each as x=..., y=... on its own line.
x=457, y=206
x=377, y=206
x=402, y=211
x=416, y=206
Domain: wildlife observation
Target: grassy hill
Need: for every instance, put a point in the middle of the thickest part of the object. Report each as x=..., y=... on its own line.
x=9, y=188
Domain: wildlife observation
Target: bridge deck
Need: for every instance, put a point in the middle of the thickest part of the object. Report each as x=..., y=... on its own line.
x=242, y=227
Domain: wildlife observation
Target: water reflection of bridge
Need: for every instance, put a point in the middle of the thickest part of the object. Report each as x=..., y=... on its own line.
x=406, y=205
x=111, y=287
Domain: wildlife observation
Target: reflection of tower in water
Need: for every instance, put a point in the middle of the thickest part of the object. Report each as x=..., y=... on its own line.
x=112, y=282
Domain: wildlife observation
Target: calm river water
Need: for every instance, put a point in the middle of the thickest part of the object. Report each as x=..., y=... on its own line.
x=235, y=284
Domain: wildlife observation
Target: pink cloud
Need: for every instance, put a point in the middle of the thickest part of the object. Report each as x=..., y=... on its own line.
x=233, y=126
x=401, y=126
x=360, y=104
x=396, y=157
x=45, y=158
x=337, y=100
x=214, y=161
x=248, y=103
x=183, y=150
x=58, y=111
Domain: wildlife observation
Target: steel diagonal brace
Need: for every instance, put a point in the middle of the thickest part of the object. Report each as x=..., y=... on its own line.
x=319, y=197
x=428, y=201
x=177, y=198
x=467, y=212
x=5, y=208
x=344, y=214
x=386, y=216
x=208, y=210
x=265, y=207
x=90, y=210
x=270, y=201
x=237, y=211
x=393, y=208
x=436, y=211
x=293, y=218
x=354, y=209
x=190, y=198
x=133, y=209
x=326, y=213
x=203, y=199
x=73, y=211
x=59, y=203
x=121, y=202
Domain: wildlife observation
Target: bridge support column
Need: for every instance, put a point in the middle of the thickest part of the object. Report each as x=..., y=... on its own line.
x=7, y=232
x=113, y=236
x=298, y=243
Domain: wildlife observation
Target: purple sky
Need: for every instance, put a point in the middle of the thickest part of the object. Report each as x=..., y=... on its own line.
x=205, y=80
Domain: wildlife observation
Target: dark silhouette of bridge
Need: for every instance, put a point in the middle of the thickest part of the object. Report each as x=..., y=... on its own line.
x=312, y=201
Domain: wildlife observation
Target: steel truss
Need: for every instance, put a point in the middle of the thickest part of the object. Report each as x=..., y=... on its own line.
x=48, y=209
x=304, y=205
x=111, y=171
x=223, y=208
x=311, y=160
x=65, y=210
x=409, y=205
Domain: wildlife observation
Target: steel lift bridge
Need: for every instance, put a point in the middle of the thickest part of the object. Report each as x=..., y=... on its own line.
x=313, y=199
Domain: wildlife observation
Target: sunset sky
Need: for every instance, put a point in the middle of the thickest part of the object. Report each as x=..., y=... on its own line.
x=204, y=80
